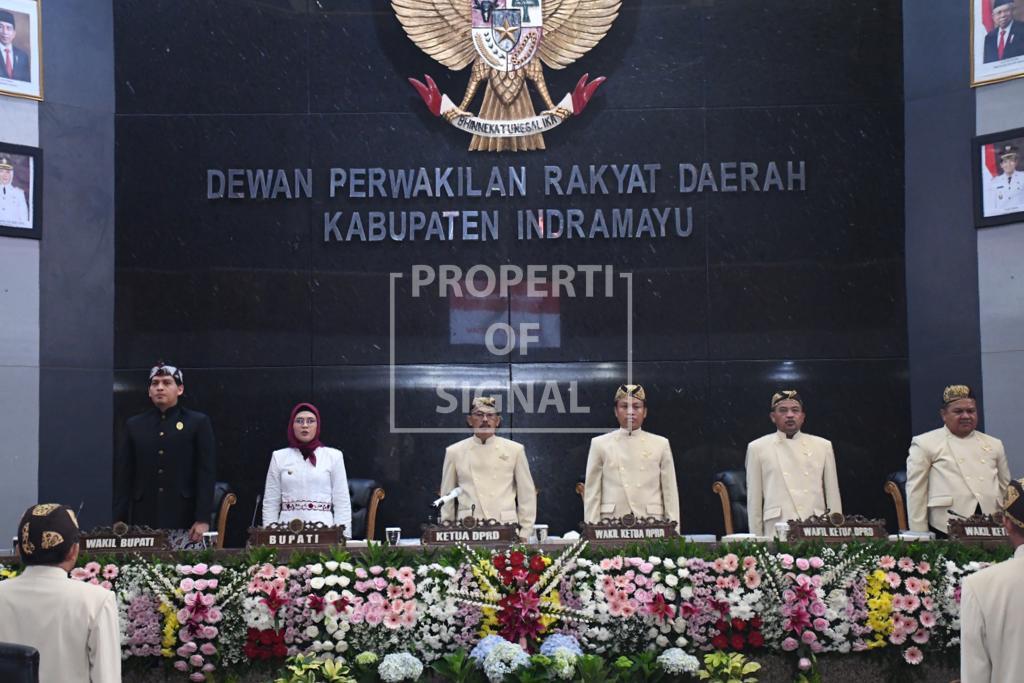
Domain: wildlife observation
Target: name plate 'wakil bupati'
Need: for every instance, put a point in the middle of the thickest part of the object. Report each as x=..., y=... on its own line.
x=984, y=530
x=628, y=528
x=297, y=534
x=835, y=527
x=121, y=538
x=470, y=531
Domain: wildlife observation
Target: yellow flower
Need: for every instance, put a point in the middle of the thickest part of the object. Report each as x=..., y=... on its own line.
x=489, y=622
x=171, y=624
x=547, y=560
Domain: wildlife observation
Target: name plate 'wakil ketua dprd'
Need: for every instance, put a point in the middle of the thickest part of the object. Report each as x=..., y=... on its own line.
x=835, y=527
x=470, y=531
x=297, y=534
x=121, y=538
x=986, y=530
x=628, y=528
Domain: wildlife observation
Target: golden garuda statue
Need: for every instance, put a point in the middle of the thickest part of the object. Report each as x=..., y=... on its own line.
x=502, y=40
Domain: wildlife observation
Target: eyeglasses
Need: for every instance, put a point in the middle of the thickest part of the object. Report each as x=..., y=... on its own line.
x=305, y=421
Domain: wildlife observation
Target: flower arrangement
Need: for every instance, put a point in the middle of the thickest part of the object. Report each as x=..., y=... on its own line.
x=634, y=615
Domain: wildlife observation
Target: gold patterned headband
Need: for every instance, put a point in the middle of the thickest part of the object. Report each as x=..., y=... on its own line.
x=630, y=391
x=786, y=395
x=955, y=392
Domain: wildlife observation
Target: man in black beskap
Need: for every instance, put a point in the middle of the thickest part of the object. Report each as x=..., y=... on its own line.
x=165, y=470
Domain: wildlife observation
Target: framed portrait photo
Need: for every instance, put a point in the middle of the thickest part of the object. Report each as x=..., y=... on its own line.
x=21, y=191
x=21, y=49
x=997, y=40
x=999, y=178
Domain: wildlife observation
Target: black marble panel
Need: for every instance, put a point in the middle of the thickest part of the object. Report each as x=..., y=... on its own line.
x=805, y=52
x=817, y=273
x=211, y=56
x=360, y=57
x=75, y=457
x=85, y=79
x=76, y=262
x=210, y=282
x=669, y=274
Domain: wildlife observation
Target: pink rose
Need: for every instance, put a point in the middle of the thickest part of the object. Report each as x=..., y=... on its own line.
x=196, y=660
x=808, y=637
x=208, y=649
x=790, y=644
x=802, y=564
x=646, y=567
x=200, y=569
x=216, y=569
x=181, y=665
x=197, y=677
x=817, y=562
x=201, y=585
x=376, y=570
x=186, y=585
x=184, y=569
x=361, y=573
x=820, y=624
x=804, y=664
x=208, y=667
x=818, y=609
x=787, y=560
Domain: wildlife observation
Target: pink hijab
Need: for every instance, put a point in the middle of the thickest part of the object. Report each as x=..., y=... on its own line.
x=305, y=448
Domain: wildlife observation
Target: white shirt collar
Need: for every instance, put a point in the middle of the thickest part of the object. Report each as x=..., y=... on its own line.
x=43, y=571
x=625, y=432
x=782, y=435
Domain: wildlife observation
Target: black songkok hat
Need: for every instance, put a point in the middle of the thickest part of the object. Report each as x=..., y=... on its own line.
x=999, y=3
x=9, y=18
x=46, y=533
x=786, y=395
x=1013, y=506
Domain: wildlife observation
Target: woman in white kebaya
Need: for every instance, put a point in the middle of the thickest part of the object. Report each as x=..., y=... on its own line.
x=307, y=480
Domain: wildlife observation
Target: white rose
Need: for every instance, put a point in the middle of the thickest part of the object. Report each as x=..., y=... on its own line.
x=671, y=580
x=317, y=568
x=661, y=641
x=317, y=583
x=311, y=631
x=331, y=580
x=331, y=565
x=344, y=581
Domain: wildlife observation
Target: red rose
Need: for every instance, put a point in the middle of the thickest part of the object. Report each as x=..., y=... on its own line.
x=517, y=559
x=537, y=563
x=719, y=642
x=737, y=641
x=756, y=623
x=499, y=561
x=739, y=625
x=267, y=637
x=532, y=578
x=506, y=577
x=722, y=625
x=280, y=650
x=755, y=639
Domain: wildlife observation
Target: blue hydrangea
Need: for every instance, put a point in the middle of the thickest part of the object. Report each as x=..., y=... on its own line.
x=557, y=640
x=484, y=647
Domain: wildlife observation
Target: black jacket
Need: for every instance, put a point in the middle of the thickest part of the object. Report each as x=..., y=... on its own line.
x=165, y=470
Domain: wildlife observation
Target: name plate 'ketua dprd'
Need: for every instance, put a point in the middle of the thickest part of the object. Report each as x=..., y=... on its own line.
x=470, y=531
x=628, y=528
x=835, y=527
x=297, y=534
x=121, y=538
x=986, y=530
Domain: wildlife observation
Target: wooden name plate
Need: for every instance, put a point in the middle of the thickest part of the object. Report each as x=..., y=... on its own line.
x=835, y=527
x=471, y=531
x=297, y=534
x=628, y=528
x=121, y=538
x=984, y=530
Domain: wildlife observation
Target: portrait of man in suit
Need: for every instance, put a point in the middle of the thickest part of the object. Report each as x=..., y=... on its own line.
x=14, y=62
x=1006, y=40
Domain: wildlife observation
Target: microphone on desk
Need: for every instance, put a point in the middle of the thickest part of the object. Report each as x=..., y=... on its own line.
x=255, y=510
x=452, y=495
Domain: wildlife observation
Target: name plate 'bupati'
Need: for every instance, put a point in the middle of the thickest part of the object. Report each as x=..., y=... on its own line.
x=297, y=534
x=984, y=530
x=835, y=527
x=470, y=531
x=121, y=538
x=628, y=528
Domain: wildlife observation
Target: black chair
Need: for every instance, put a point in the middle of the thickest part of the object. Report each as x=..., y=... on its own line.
x=223, y=499
x=19, y=663
x=366, y=495
x=731, y=487
x=896, y=487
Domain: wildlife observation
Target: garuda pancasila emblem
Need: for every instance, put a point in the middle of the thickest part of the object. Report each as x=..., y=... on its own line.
x=506, y=41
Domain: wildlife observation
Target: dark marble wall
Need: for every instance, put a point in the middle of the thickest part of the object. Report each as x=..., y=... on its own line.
x=800, y=289
x=76, y=261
